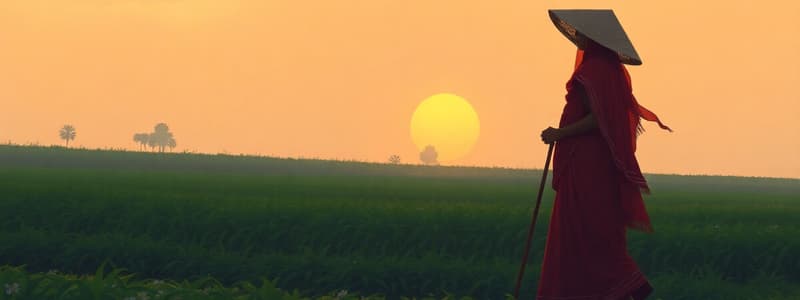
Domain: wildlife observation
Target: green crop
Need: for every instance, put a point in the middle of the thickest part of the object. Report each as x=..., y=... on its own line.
x=373, y=229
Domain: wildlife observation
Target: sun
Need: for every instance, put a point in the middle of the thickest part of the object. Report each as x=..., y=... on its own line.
x=448, y=123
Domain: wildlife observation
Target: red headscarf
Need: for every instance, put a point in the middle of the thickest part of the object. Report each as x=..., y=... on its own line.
x=618, y=114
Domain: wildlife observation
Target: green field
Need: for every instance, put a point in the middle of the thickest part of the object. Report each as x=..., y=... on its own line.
x=394, y=230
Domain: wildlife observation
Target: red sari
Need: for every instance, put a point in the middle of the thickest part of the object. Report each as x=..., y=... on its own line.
x=597, y=182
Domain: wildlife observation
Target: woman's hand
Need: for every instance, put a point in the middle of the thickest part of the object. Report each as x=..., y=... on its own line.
x=551, y=135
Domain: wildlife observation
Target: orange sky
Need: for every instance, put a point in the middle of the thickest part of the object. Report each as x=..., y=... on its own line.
x=341, y=79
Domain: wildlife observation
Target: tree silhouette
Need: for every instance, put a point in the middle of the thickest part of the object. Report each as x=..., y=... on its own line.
x=394, y=159
x=429, y=155
x=151, y=143
x=142, y=139
x=67, y=133
x=161, y=137
x=172, y=144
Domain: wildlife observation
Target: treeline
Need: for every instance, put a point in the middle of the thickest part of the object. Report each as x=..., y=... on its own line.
x=160, y=139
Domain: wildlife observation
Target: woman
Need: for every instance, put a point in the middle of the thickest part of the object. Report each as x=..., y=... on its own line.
x=595, y=173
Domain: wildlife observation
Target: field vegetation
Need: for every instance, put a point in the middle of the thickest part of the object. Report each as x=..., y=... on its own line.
x=387, y=230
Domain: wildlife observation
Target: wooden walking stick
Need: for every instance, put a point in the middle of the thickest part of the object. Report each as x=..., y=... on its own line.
x=533, y=222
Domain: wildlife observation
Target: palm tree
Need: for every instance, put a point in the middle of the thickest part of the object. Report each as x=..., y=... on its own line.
x=67, y=133
x=394, y=159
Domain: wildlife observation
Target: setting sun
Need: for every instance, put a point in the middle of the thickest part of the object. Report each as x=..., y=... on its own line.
x=448, y=123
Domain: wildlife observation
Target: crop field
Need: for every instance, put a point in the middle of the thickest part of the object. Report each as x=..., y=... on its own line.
x=374, y=229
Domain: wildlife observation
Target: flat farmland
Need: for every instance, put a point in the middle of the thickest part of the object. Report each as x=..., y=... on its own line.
x=375, y=229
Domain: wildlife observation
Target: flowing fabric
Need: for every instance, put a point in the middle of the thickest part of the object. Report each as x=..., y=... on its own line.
x=598, y=187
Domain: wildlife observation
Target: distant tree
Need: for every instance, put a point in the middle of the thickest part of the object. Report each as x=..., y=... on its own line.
x=394, y=159
x=67, y=133
x=151, y=143
x=142, y=139
x=171, y=144
x=161, y=138
x=429, y=155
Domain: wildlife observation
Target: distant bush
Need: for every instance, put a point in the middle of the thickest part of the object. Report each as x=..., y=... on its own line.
x=429, y=156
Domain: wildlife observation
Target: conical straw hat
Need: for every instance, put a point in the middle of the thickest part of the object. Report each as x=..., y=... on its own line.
x=600, y=25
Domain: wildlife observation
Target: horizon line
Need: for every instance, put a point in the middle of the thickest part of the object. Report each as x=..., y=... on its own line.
x=353, y=160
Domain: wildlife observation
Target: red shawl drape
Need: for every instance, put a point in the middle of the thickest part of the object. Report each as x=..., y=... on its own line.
x=598, y=187
x=607, y=84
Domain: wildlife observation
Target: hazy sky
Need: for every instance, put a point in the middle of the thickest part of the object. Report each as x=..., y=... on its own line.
x=341, y=79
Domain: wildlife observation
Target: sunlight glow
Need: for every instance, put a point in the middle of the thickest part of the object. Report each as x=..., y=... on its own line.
x=449, y=123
